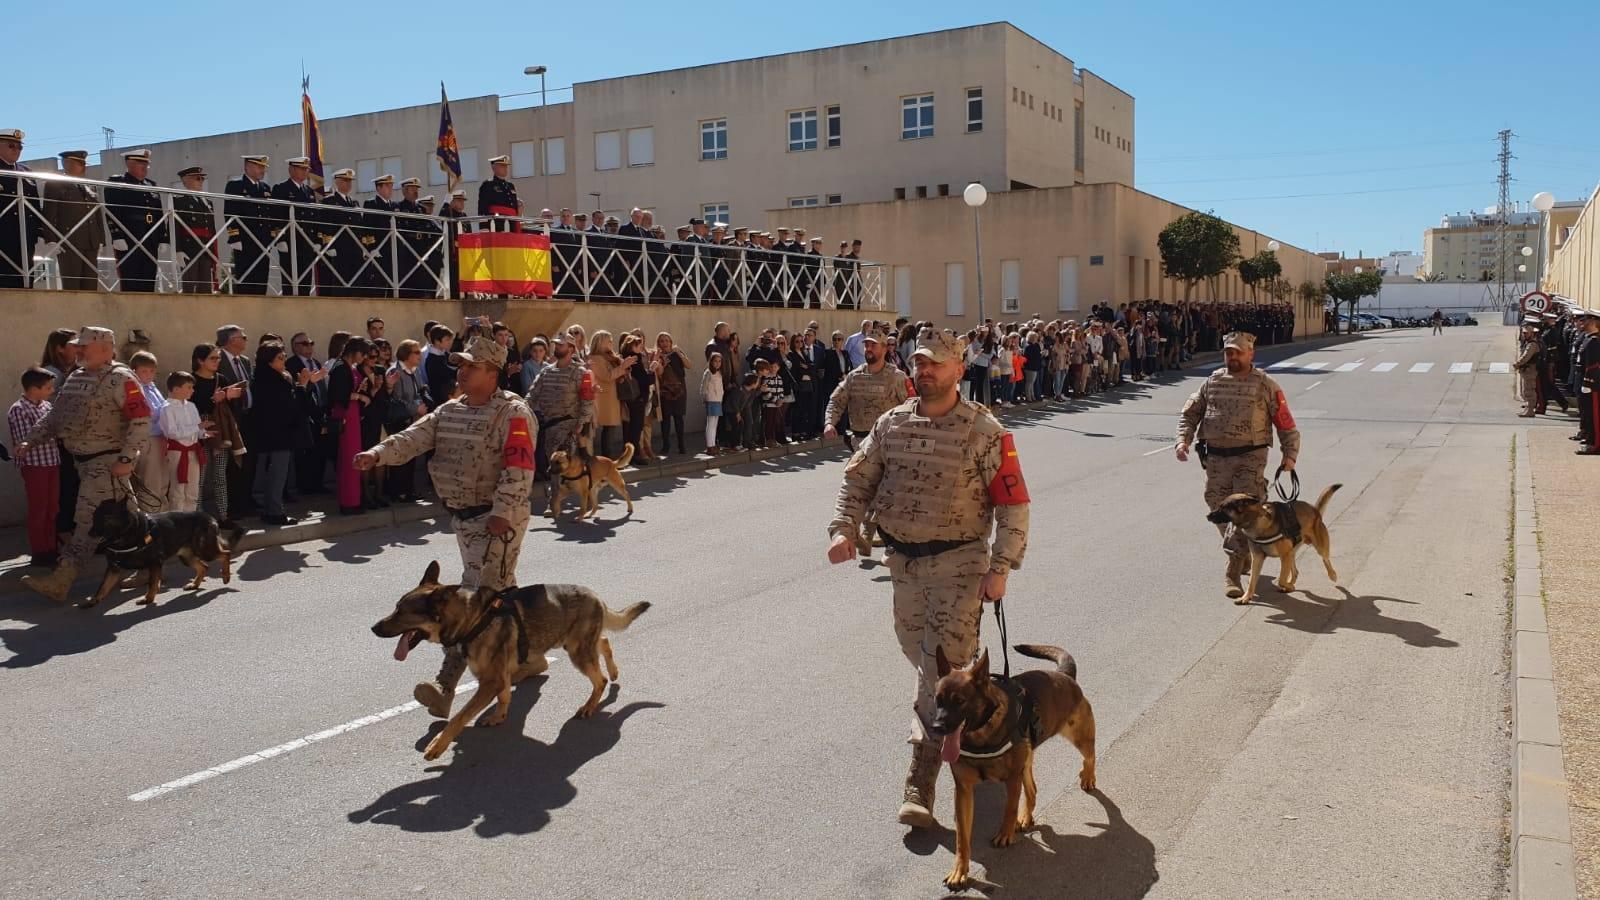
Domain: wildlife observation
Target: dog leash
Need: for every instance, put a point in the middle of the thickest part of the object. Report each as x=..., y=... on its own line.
x=1293, y=493
x=1005, y=645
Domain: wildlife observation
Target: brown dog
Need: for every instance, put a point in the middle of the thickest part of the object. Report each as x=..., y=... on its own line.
x=989, y=732
x=1278, y=529
x=583, y=473
x=502, y=634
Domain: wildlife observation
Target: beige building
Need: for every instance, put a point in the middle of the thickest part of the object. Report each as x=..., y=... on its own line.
x=916, y=116
x=1465, y=247
x=1574, y=270
x=1052, y=252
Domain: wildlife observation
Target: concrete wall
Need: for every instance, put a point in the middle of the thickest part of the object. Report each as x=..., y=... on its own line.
x=536, y=124
x=1575, y=271
x=1111, y=109
x=175, y=323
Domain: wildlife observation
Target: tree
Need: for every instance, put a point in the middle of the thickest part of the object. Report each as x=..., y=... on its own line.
x=1197, y=247
x=1262, y=269
x=1350, y=288
x=1280, y=289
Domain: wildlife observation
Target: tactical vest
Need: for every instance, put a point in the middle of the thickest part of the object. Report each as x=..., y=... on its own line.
x=870, y=396
x=88, y=410
x=467, y=457
x=1236, y=410
x=931, y=488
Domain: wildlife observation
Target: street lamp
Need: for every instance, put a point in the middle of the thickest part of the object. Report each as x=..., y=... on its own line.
x=1273, y=246
x=544, y=134
x=975, y=196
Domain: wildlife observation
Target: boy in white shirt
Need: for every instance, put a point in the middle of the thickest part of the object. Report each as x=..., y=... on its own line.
x=184, y=439
x=152, y=461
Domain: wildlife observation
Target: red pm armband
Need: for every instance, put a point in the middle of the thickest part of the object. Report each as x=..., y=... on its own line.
x=1008, y=488
x=1283, y=418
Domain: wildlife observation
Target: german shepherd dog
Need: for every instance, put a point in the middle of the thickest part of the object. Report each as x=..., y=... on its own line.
x=134, y=541
x=973, y=708
x=1278, y=529
x=583, y=473
x=502, y=633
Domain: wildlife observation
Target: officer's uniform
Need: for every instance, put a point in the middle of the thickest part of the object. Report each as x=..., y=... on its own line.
x=936, y=487
x=136, y=232
x=563, y=399
x=251, y=227
x=73, y=211
x=1529, y=365
x=482, y=468
x=195, y=228
x=377, y=237
x=339, y=231
x=498, y=197
x=297, y=249
x=1589, y=389
x=19, y=223
x=1234, y=417
x=419, y=269
x=453, y=230
x=102, y=419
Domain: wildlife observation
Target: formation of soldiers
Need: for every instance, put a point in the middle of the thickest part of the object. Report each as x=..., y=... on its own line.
x=1559, y=361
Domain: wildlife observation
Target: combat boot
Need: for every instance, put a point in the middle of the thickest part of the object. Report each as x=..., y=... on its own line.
x=1231, y=580
x=916, y=808
x=435, y=699
x=53, y=586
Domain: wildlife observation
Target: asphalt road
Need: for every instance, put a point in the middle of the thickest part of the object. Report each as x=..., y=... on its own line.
x=1337, y=742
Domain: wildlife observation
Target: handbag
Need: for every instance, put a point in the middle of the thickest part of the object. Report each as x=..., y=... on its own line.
x=628, y=389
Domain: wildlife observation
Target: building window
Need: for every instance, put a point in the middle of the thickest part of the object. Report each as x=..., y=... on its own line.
x=714, y=213
x=902, y=290
x=607, y=150
x=1013, y=93
x=366, y=170
x=922, y=192
x=900, y=193
x=436, y=173
x=555, y=156
x=714, y=139
x=944, y=190
x=835, y=127
x=802, y=129
x=1077, y=137
x=974, y=110
x=469, y=164
x=1097, y=260
x=1066, y=283
x=522, y=159
x=835, y=199
x=394, y=165
x=916, y=117
x=642, y=146
x=1011, y=283
x=955, y=286
x=801, y=202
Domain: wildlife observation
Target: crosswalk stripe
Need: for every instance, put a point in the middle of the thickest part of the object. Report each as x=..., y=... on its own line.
x=1348, y=367
x=1461, y=368
x=1313, y=366
x=1384, y=367
x=1420, y=368
x=1499, y=368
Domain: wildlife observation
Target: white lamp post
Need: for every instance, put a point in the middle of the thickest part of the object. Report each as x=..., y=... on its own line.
x=1273, y=246
x=544, y=134
x=975, y=196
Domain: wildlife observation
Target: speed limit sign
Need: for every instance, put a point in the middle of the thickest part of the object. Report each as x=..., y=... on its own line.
x=1535, y=302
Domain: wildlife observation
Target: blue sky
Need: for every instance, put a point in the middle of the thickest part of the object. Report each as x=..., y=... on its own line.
x=1347, y=126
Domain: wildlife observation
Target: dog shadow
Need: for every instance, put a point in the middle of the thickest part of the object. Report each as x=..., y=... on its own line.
x=260, y=565
x=593, y=530
x=364, y=546
x=1319, y=614
x=64, y=630
x=498, y=781
x=1116, y=863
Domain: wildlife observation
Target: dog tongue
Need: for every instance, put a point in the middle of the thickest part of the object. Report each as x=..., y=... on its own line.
x=404, y=647
x=951, y=749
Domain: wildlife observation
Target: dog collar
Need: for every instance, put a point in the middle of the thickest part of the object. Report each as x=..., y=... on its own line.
x=1268, y=541
x=1021, y=721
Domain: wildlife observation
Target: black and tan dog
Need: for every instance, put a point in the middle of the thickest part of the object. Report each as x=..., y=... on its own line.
x=990, y=727
x=1278, y=529
x=134, y=541
x=501, y=634
x=583, y=473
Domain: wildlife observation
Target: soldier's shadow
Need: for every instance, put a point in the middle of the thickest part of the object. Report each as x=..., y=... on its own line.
x=64, y=630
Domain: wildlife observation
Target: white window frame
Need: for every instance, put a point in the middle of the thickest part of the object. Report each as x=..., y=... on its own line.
x=1011, y=279
x=641, y=146
x=955, y=288
x=716, y=212
x=523, y=159
x=716, y=128
x=555, y=156
x=924, y=124
x=902, y=290
x=436, y=174
x=804, y=202
x=394, y=165
x=469, y=164
x=1066, y=284
x=607, y=150
x=974, y=94
x=833, y=136
x=803, y=118
x=833, y=200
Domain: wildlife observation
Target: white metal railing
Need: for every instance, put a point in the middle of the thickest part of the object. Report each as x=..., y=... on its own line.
x=59, y=232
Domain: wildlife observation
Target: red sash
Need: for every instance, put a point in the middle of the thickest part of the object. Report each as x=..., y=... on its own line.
x=183, y=451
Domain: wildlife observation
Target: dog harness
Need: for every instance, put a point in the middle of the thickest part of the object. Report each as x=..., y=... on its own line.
x=1288, y=525
x=498, y=608
x=1021, y=723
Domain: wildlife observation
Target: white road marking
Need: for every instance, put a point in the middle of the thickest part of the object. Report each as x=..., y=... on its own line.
x=1313, y=366
x=1159, y=450
x=1309, y=388
x=1384, y=367
x=1499, y=368
x=1350, y=366
x=1281, y=364
x=1421, y=368
x=1461, y=368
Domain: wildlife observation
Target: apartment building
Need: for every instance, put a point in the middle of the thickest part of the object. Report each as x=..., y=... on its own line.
x=1464, y=247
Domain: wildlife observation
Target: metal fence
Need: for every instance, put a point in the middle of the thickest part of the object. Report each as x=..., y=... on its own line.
x=59, y=232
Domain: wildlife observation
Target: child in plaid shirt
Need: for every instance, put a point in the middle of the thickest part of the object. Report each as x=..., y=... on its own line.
x=40, y=466
x=772, y=394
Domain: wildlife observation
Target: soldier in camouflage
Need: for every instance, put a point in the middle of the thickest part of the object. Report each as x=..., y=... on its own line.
x=866, y=393
x=939, y=474
x=1528, y=364
x=101, y=417
x=1233, y=414
x=482, y=469
x=562, y=397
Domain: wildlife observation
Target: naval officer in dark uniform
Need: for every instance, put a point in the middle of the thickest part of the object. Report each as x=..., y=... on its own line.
x=498, y=196
x=250, y=226
x=19, y=211
x=339, y=221
x=136, y=235
x=195, y=229
x=296, y=248
x=455, y=209
x=378, y=238
x=416, y=239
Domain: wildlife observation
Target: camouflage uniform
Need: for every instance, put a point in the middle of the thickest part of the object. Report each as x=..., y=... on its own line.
x=101, y=417
x=1237, y=415
x=866, y=396
x=482, y=467
x=563, y=399
x=951, y=479
x=1527, y=366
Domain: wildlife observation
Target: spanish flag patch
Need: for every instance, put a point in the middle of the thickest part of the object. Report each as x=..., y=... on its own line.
x=518, y=449
x=133, y=402
x=1008, y=488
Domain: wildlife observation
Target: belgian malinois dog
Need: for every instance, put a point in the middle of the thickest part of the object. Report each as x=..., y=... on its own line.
x=1278, y=529
x=502, y=633
x=583, y=473
x=987, y=737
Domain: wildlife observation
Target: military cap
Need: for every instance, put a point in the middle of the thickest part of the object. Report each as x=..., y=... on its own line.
x=799, y=231
x=783, y=229
x=137, y=155
x=583, y=216
x=938, y=345
x=257, y=158
x=426, y=198
x=741, y=230
x=383, y=179
x=94, y=334
x=480, y=350
x=693, y=221
x=303, y=162
x=79, y=155
x=1530, y=320
x=499, y=159
x=458, y=195
x=413, y=182
x=720, y=226
x=874, y=336
x=816, y=240
x=344, y=173
x=191, y=170
x=11, y=134
x=1239, y=340
x=611, y=220
x=683, y=228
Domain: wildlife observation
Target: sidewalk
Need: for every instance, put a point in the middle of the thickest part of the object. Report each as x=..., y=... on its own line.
x=1563, y=486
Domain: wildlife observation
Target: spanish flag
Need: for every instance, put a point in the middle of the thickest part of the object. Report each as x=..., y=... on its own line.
x=310, y=134
x=504, y=262
x=448, y=151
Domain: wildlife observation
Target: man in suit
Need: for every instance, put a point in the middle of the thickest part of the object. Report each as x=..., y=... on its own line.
x=136, y=232
x=310, y=463
x=237, y=368
x=19, y=205
x=195, y=230
x=339, y=231
x=498, y=196
x=73, y=211
x=251, y=226
x=296, y=248
x=379, y=238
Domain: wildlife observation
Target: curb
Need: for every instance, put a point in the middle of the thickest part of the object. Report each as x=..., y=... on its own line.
x=1541, y=835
